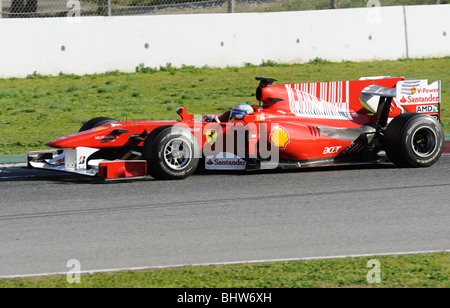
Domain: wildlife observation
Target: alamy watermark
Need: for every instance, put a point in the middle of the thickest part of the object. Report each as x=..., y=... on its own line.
x=249, y=140
x=374, y=14
x=374, y=274
x=74, y=274
x=74, y=13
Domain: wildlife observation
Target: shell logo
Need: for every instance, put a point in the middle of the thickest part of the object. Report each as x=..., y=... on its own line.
x=279, y=137
x=413, y=90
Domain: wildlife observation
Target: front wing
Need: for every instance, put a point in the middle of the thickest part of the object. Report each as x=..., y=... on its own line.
x=77, y=161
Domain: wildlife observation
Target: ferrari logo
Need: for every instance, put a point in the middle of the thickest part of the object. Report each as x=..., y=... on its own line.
x=211, y=136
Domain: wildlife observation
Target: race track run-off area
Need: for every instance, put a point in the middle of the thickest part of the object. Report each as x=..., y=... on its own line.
x=48, y=218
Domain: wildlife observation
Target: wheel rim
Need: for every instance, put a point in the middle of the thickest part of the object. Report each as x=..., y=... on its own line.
x=177, y=154
x=423, y=142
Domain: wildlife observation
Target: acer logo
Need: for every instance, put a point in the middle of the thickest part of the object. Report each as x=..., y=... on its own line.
x=331, y=150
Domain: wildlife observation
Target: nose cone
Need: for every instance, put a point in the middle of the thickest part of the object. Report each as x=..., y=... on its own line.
x=58, y=143
x=70, y=141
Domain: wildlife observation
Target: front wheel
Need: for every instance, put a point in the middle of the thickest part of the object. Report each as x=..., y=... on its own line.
x=171, y=154
x=414, y=140
x=96, y=122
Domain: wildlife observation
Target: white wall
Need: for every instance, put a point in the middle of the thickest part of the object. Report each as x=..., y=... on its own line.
x=100, y=44
x=428, y=31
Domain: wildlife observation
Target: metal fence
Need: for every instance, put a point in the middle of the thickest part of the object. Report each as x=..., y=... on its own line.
x=68, y=8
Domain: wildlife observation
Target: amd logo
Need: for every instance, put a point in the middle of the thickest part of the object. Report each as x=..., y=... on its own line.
x=427, y=108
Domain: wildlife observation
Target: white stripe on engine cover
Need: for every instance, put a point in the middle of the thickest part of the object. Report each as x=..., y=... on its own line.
x=330, y=103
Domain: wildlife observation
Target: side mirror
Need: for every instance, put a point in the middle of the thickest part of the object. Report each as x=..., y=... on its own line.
x=184, y=115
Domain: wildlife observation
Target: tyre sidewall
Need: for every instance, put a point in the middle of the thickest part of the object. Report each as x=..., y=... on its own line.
x=157, y=166
x=96, y=122
x=411, y=128
x=399, y=135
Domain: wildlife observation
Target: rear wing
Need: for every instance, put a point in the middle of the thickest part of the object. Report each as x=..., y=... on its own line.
x=409, y=95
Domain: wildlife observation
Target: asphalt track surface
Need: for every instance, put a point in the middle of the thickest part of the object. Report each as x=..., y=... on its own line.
x=47, y=218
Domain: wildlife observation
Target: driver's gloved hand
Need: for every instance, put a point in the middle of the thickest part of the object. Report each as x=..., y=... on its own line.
x=210, y=118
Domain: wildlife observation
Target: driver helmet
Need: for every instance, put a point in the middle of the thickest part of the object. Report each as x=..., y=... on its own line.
x=238, y=111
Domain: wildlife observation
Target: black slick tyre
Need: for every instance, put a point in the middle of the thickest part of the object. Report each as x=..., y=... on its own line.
x=96, y=122
x=172, y=153
x=414, y=140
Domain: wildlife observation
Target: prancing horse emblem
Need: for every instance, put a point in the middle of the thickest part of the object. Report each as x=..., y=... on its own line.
x=211, y=136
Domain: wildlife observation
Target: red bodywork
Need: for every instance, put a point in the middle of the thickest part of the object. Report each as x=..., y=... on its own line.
x=305, y=123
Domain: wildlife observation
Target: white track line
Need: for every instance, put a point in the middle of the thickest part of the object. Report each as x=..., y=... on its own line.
x=221, y=263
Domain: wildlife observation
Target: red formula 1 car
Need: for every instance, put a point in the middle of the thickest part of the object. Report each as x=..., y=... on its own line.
x=371, y=120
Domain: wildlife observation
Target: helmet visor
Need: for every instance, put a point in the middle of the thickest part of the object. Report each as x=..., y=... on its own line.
x=239, y=113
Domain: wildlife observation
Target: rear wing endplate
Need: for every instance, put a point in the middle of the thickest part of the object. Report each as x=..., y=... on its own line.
x=409, y=95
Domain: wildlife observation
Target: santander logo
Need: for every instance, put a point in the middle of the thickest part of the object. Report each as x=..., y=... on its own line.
x=225, y=161
x=418, y=92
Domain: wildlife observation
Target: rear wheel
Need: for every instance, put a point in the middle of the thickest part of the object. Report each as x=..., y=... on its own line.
x=96, y=122
x=171, y=154
x=414, y=140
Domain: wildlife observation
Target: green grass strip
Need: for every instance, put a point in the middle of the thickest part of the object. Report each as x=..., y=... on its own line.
x=428, y=270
